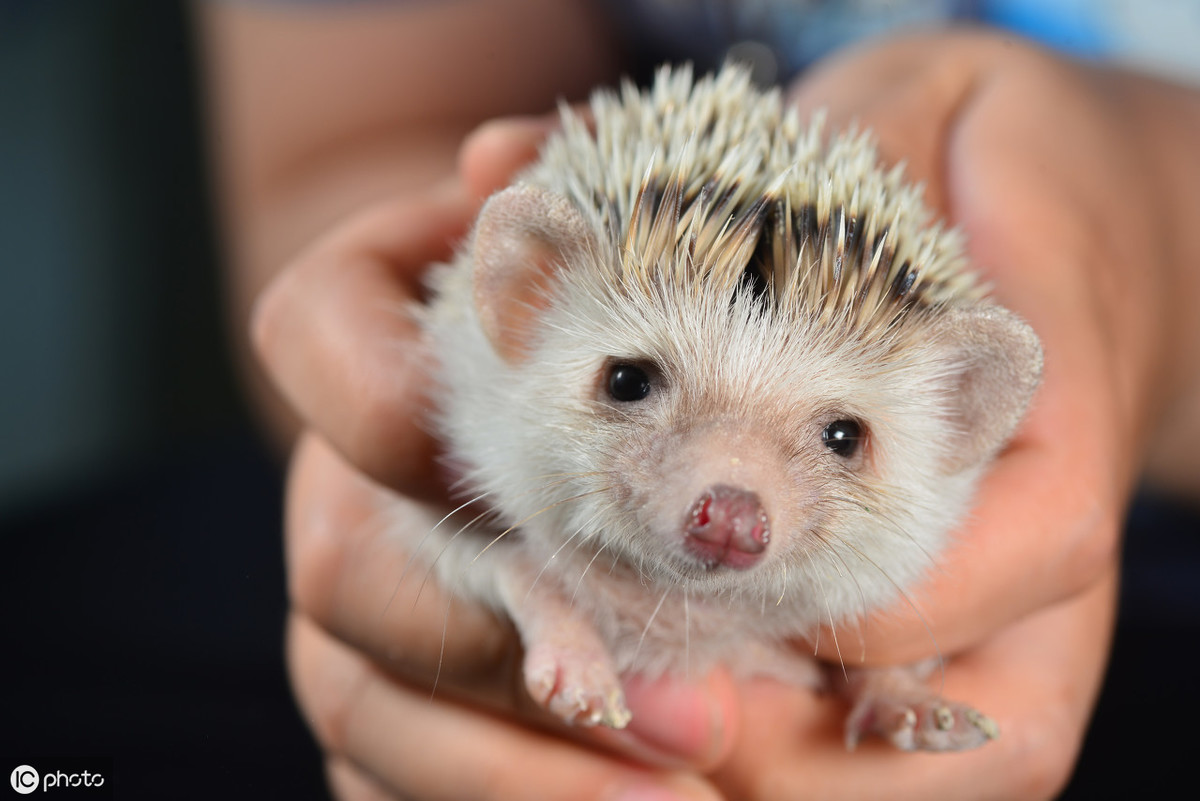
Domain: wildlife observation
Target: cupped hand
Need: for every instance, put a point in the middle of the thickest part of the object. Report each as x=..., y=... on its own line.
x=1035, y=159
x=414, y=695
x=410, y=694
x=1031, y=157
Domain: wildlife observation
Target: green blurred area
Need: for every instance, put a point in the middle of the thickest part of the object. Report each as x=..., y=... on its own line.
x=113, y=349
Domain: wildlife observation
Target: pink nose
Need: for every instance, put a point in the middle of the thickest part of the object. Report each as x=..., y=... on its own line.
x=727, y=526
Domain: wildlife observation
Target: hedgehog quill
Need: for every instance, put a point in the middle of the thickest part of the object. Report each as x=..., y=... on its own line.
x=718, y=380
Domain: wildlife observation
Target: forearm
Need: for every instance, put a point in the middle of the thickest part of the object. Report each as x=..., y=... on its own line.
x=318, y=112
x=1169, y=116
x=267, y=226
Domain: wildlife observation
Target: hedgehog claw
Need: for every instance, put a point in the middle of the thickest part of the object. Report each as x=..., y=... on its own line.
x=920, y=724
x=578, y=690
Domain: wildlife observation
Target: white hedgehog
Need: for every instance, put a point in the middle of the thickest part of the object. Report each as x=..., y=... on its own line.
x=718, y=382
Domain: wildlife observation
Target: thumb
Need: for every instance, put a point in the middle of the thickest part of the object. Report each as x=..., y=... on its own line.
x=678, y=722
x=496, y=150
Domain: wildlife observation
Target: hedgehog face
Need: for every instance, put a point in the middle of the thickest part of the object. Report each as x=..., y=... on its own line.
x=716, y=443
x=727, y=352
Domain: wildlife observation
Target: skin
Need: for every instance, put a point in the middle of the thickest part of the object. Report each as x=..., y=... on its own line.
x=1070, y=182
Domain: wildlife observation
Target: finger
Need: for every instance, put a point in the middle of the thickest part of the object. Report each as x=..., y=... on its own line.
x=1038, y=680
x=901, y=95
x=1045, y=523
x=493, y=153
x=433, y=750
x=348, y=783
x=1075, y=455
x=924, y=111
x=337, y=335
x=909, y=101
x=352, y=572
x=1076, y=229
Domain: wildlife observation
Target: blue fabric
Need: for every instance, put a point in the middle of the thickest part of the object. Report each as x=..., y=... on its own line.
x=1157, y=35
x=787, y=34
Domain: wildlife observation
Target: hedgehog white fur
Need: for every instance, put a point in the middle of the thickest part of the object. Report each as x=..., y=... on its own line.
x=718, y=381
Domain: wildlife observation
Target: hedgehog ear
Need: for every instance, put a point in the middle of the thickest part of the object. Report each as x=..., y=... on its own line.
x=523, y=237
x=999, y=366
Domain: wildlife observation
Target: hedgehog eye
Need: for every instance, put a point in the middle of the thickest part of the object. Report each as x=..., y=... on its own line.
x=628, y=382
x=843, y=437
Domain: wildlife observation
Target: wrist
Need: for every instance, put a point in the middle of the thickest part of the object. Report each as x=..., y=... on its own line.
x=1168, y=118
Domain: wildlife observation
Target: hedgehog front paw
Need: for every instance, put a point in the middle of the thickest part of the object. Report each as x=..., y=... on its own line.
x=919, y=724
x=579, y=687
x=568, y=669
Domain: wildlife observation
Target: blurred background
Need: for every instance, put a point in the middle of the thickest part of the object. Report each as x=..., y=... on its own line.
x=141, y=582
x=141, y=577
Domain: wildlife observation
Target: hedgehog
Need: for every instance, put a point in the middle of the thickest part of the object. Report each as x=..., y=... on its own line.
x=713, y=379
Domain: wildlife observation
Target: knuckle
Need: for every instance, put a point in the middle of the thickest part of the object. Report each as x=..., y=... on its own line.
x=348, y=783
x=382, y=410
x=267, y=317
x=328, y=680
x=321, y=505
x=966, y=51
x=314, y=562
x=384, y=433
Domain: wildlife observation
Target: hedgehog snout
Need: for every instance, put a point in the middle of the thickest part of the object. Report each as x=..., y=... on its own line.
x=727, y=526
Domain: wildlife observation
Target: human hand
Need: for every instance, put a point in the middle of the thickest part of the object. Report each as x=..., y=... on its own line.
x=366, y=645
x=1035, y=159
x=1080, y=448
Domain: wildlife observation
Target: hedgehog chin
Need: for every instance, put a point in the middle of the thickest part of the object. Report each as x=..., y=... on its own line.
x=707, y=574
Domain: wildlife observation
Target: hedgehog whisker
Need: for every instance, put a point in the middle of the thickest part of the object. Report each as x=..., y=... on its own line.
x=549, y=560
x=912, y=604
x=687, y=634
x=833, y=632
x=378, y=521
x=875, y=512
x=586, y=568
x=404, y=310
x=437, y=673
x=429, y=569
x=566, y=475
x=451, y=595
x=412, y=557
x=486, y=513
x=864, y=610
x=831, y=549
x=650, y=622
x=585, y=526
x=616, y=559
x=531, y=516
x=824, y=595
